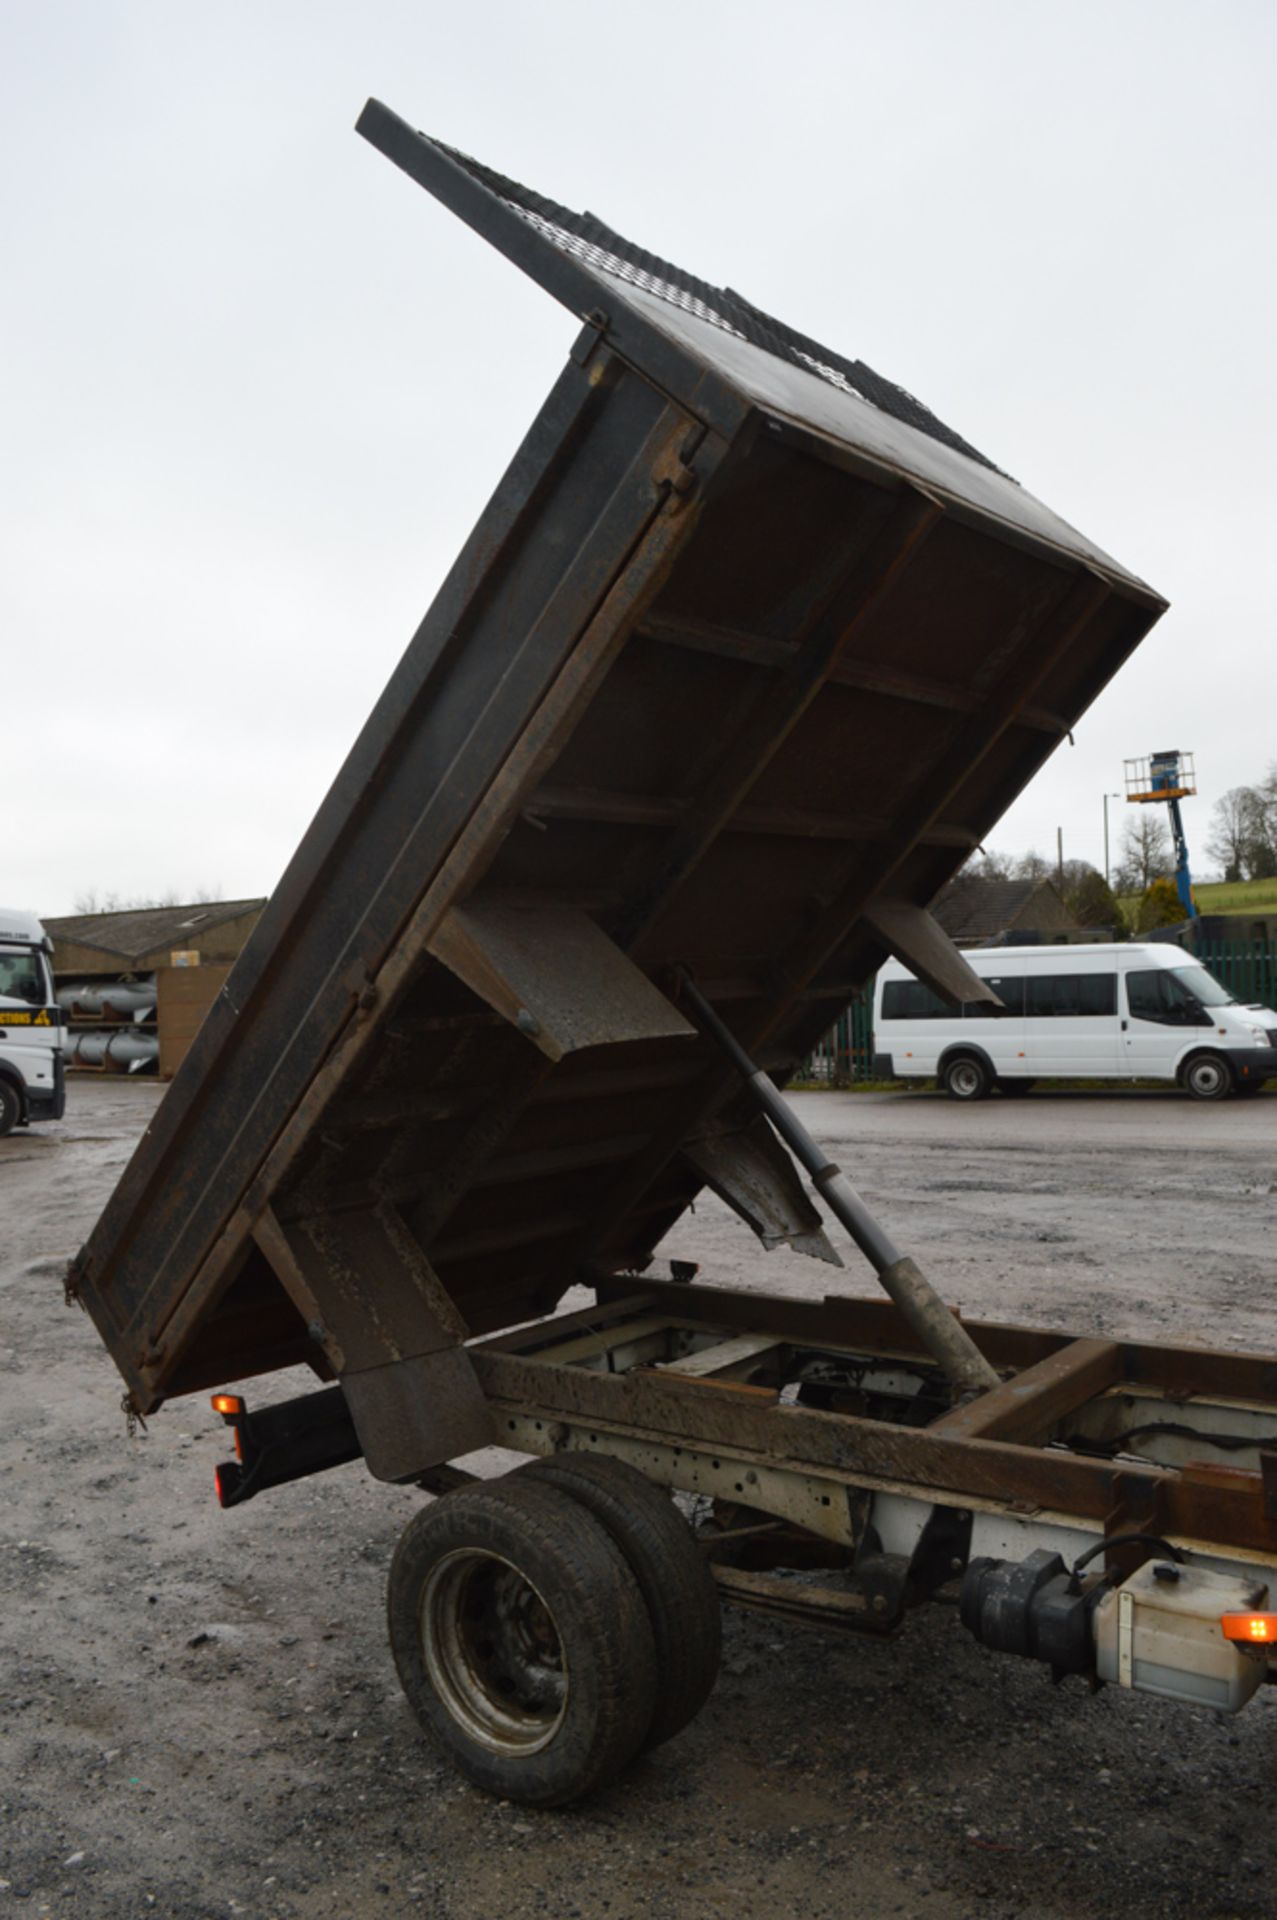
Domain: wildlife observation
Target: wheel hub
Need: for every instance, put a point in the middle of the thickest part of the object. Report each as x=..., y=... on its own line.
x=493, y=1652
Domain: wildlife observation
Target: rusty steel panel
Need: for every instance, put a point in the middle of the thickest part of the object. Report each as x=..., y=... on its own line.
x=750, y=1170
x=1209, y=1503
x=555, y=975
x=745, y=655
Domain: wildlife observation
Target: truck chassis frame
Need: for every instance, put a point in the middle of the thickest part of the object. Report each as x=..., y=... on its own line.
x=695, y=1385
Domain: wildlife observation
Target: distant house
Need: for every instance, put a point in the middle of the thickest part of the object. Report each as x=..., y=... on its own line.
x=140, y=939
x=976, y=912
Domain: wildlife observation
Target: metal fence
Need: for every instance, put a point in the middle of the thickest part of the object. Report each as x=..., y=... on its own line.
x=846, y=1052
x=845, y=1055
x=1248, y=970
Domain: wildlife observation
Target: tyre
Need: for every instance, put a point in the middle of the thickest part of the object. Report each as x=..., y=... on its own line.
x=1016, y=1089
x=10, y=1107
x=522, y=1641
x=1208, y=1076
x=965, y=1078
x=672, y=1573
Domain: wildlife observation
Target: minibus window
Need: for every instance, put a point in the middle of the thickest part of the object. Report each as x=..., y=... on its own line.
x=1155, y=994
x=1064, y=996
x=1010, y=991
x=1204, y=988
x=910, y=1000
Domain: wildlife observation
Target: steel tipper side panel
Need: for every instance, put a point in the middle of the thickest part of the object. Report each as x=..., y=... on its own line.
x=573, y=541
x=745, y=655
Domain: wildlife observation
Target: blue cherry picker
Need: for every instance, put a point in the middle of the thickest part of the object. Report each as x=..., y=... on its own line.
x=1167, y=778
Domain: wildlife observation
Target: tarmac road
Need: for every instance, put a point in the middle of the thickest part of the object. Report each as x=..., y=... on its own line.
x=198, y=1713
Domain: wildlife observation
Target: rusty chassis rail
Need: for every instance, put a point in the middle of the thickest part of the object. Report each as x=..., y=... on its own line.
x=694, y=1385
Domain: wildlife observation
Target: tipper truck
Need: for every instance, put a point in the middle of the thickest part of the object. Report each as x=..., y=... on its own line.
x=745, y=656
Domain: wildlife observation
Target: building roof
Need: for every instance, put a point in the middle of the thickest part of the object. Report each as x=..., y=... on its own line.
x=973, y=908
x=139, y=930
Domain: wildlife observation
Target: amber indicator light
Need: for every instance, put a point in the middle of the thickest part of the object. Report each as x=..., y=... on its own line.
x=1254, y=1629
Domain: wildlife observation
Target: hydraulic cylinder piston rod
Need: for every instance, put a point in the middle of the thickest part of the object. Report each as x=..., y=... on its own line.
x=936, y=1326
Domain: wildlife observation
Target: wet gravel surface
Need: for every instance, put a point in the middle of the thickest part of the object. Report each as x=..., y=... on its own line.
x=198, y=1713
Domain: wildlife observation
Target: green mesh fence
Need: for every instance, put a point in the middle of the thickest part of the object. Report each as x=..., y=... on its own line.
x=846, y=1052
x=1248, y=970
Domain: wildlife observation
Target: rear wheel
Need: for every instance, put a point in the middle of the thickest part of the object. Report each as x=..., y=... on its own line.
x=965, y=1078
x=672, y=1574
x=10, y=1107
x=1207, y=1076
x=522, y=1640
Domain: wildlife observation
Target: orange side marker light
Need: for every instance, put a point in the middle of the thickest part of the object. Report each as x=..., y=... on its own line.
x=1251, y=1629
x=232, y=1410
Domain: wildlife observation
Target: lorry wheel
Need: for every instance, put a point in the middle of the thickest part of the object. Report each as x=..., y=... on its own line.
x=522, y=1640
x=672, y=1573
x=10, y=1107
x=965, y=1078
x=1207, y=1077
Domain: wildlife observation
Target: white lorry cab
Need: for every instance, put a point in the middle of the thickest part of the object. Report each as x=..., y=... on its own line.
x=32, y=1082
x=1136, y=1011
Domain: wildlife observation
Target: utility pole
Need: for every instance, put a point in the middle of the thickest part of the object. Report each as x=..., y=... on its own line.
x=1059, y=856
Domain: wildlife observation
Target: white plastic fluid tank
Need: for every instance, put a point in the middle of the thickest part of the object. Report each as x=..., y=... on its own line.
x=1159, y=1632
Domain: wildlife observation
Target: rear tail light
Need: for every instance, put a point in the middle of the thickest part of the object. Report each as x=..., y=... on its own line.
x=283, y=1442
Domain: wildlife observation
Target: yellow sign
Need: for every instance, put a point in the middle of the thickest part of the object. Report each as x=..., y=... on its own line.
x=28, y=1017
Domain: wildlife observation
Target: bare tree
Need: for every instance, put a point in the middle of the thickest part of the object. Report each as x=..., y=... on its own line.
x=1261, y=853
x=1239, y=830
x=1032, y=866
x=1145, y=853
x=987, y=866
x=1093, y=900
x=1073, y=875
x=89, y=900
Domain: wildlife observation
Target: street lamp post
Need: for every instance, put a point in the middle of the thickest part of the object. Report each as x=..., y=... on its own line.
x=1107, y=798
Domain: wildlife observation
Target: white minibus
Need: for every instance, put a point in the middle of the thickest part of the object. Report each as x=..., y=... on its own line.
x=1138, y=1011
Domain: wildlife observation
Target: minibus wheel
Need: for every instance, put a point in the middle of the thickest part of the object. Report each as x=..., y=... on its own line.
x=1207, y=1077
x=965, y=1078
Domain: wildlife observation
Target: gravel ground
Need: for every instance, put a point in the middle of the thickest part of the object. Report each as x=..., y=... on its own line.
x=198, y=1713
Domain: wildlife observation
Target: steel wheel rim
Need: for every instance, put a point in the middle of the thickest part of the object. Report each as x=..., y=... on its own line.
x=1207, y=1075
x=493, y=1653
x=964, y=1079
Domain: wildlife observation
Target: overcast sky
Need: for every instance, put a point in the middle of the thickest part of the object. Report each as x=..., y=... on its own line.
x=257, y=386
